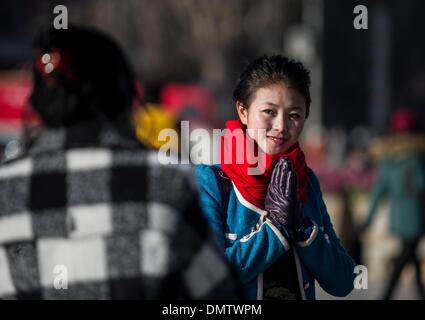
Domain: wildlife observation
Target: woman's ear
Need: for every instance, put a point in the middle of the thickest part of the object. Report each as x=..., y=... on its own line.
x=242, y=112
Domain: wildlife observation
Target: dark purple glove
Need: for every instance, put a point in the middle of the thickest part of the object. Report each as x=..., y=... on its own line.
x=282, y=204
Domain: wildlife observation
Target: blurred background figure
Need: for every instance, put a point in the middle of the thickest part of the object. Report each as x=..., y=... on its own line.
x=150, y=120
x=401, y=177
x=86, y=211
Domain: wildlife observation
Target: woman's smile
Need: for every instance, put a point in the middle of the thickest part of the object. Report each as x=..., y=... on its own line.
x=276, y=140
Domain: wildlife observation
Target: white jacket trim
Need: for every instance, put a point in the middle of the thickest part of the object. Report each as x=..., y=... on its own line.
x=231, y=236
x=248, y=204
x=280, y=236
x=312, y=237
x=299, y=275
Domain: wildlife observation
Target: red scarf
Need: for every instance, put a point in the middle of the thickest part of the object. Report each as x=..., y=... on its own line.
x=252, y=187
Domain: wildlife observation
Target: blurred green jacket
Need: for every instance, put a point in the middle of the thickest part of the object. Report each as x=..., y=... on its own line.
x=401, y=177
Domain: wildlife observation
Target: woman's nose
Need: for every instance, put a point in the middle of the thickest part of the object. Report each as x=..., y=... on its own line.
x=279, y=124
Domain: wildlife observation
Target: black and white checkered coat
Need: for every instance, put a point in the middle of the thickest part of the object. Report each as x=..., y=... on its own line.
x=89, y=215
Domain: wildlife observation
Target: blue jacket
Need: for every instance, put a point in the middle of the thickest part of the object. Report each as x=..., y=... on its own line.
x=252, y=243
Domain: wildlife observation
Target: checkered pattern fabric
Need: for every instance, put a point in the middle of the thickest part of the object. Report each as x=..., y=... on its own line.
x=87, y=214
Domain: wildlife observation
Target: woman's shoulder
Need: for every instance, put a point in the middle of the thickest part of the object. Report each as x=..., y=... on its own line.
x=211, y=181
x=204, y=171
x=208, y=175
x=314, y=188
x=313, y=181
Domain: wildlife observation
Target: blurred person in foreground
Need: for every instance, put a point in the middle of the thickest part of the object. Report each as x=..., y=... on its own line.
x=88, y=212
x=273, y=224
x=401, y=177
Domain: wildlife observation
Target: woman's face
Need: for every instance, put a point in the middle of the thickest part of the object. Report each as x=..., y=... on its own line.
x=280, y=112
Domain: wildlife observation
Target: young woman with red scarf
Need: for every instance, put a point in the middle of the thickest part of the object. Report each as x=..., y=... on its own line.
x=262, y=201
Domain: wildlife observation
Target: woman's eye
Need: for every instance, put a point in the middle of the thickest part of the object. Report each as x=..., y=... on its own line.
x=269, y=112
x=294, y=116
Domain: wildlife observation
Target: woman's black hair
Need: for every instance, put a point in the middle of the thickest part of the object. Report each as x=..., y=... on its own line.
x=79, y=75
x=267, y=70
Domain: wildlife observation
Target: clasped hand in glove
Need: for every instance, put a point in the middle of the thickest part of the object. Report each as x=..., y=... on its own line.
x=281, y=203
